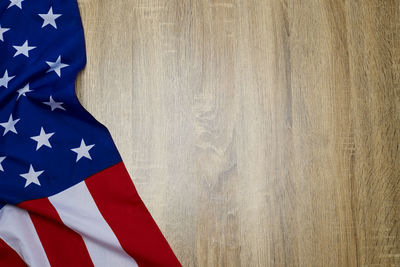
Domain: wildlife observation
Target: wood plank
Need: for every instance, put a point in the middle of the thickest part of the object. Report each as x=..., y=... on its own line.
x=260, y=132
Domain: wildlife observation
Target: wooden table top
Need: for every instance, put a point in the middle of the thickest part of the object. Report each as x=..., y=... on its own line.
x=260, y=132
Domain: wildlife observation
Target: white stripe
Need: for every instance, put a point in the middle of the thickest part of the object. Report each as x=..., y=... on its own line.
x=79, y=212
x=18, y=231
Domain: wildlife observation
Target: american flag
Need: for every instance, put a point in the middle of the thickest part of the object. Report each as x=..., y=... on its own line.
x=66, y=198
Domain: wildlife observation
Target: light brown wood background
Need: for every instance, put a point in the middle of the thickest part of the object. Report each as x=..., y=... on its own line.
x=257, y=132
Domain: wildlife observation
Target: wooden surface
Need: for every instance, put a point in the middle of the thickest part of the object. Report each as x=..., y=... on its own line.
x=258, y=132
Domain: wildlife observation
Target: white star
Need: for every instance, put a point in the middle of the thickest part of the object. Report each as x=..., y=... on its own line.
x=31, y=176
x=54, y=105
x=23, y=49
x=82, y=151
x=56, y=66
x=3, y=30
x=17, y=3
x=1, y=160
x=9, y=126
x=4, y=81
x=50, y=18
x=42, y=139
x=23, y=91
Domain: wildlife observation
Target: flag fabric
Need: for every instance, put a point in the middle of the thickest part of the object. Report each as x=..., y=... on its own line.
x=66, y=198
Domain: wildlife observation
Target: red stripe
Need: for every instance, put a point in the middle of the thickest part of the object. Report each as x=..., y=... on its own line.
x=8, y=256
x=119, y=203
x=63, y=246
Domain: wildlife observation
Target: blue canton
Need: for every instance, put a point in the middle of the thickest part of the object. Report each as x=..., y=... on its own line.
x=48, y=141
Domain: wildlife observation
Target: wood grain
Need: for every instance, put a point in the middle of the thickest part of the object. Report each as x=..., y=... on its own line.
x=258, y=132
